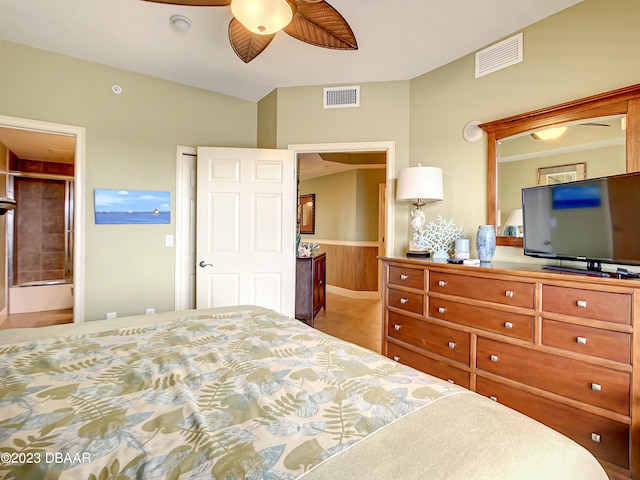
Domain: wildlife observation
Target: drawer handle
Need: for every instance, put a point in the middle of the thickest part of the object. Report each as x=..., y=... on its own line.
x=595, y=437
x=397, y=327
x=396, y=358
x=581, y=303
x=494, y=398
x=596, y=387
x=404, y=300
x=442, y=283
x=508, y=325
x=404, y=277
x=509, y=293
x=442, y=309
x=452, y=344
x=581, y=340
x=494, y=358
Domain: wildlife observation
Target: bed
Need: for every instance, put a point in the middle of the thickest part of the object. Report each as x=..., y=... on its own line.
x=245, y=392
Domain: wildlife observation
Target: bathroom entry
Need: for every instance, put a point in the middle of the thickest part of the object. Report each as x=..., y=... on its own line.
x=40, y=230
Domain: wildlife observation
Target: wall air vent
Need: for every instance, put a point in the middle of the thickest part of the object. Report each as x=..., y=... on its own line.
x=341, y=97
x=500, y=55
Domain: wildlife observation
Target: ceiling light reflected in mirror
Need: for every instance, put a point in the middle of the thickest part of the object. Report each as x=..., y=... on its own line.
x=549, y=133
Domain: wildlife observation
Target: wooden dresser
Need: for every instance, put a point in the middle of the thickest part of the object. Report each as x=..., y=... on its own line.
x=559, y=348
x=311, y=286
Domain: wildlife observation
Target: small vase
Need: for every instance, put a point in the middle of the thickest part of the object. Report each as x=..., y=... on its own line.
x=486, y=242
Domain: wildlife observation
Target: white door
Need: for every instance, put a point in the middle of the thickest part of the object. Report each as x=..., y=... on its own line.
x=246, y=220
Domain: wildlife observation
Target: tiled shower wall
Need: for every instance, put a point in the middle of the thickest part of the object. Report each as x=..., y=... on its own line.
x=39, y=249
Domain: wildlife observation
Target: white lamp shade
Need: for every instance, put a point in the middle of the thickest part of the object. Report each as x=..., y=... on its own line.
x=420, y=183
x=263, y=17
x=515, y=218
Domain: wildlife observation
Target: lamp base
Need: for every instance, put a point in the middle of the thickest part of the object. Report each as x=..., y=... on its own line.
x=417, y=254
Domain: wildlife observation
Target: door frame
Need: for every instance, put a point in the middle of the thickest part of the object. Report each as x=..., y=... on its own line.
x=386, y=146
x=184, y=228
x=185, y=231
x=79, y=205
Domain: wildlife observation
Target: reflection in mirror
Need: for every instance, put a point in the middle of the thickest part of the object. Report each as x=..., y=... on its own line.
x=588, y=148
x=585, y=113
x=562, y=173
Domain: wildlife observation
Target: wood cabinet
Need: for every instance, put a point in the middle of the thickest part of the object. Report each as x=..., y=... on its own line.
x=311, y=286
x=562, y=349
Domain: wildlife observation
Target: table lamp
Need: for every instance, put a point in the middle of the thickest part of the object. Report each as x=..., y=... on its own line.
x=513, y=223
x=419, y=185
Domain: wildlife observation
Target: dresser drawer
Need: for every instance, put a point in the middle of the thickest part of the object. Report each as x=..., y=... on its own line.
x=582, y=427
x=506, y=292
x=511, y=324
x=428, y=365
x=444, y=341
x=407, y=277
x=593, y=384
x=411, y=302
x=607, y=306
x=597, y=342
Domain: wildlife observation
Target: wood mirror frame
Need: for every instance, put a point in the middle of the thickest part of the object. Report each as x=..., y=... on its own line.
x=621, y=101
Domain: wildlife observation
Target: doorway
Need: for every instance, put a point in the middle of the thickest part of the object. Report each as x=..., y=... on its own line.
x=44, y=171
x=185, y=208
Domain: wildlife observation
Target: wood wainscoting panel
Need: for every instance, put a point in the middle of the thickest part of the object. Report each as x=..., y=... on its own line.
x=352, y=267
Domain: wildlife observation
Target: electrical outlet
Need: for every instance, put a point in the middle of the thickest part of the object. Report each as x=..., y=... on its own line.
x=149, y=311
x=111, y=315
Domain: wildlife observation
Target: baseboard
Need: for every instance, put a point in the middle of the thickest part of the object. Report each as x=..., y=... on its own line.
x=353, y=293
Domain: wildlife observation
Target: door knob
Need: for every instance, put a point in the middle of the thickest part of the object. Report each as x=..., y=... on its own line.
x=203, y=264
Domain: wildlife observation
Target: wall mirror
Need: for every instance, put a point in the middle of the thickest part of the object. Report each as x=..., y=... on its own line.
x=307, y=214
x=602, y=132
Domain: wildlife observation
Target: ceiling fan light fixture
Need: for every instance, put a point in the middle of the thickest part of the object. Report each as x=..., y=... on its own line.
x=549, y=133
x=264, y=17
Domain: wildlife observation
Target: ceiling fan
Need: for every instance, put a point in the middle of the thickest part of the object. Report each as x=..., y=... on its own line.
x=256, y=22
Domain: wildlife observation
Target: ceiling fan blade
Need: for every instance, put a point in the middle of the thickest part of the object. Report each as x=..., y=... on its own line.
x=246, y=44
x=195, y=3
x=321, y=25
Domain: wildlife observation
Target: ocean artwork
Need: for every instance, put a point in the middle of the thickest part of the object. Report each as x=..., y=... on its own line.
x=132, y=207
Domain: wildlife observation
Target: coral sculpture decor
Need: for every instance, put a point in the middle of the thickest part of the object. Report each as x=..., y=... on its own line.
x=438, y=237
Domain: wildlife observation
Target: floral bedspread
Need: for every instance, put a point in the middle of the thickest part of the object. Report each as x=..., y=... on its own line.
x=248, y=394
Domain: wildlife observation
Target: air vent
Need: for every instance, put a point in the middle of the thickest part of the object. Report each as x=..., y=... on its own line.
x=501, y=55
x=341, y=97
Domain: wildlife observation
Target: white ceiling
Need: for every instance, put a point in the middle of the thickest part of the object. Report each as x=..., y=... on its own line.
x=397, y=39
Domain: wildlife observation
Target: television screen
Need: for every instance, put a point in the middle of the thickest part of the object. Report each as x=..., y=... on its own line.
x=593, y=220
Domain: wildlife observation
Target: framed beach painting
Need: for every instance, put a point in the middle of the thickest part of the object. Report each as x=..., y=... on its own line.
x=132, y=206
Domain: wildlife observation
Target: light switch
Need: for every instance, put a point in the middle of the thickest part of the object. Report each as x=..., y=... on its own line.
x=168, y=240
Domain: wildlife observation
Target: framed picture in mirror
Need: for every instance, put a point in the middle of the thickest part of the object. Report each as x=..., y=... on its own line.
x=307, y=214
x=562, y=173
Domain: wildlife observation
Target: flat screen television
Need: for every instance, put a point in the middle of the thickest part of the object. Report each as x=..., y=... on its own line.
x=596, y=221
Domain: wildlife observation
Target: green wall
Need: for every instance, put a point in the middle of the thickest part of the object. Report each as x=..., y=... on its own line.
x=268, y=120
x=346, y=205
x=586, y=49
x=383, y=115
x=131, y=144
x=132, y=138
x=367, y=198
